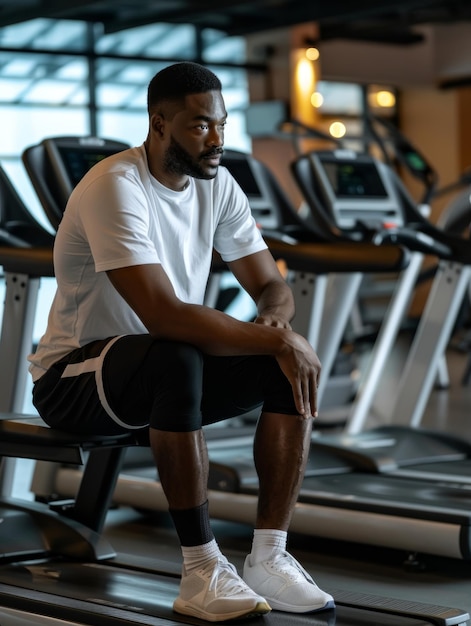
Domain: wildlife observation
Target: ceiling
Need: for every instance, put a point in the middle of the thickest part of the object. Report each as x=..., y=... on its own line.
x=390, y=21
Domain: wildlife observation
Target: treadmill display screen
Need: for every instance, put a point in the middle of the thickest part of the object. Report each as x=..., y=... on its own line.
x=240, y=169
x=65, y=161
x=78, y=160
x=251, y=176
x=356, y=189
x=354, y=179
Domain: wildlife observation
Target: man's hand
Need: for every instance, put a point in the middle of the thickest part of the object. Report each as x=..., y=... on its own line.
x=301, y=366
x=272, y=319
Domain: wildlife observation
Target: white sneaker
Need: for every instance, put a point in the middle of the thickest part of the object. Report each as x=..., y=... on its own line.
x=217, y=593
x=286, y=585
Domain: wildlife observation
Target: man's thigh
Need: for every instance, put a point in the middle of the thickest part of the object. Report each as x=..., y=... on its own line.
x=236, y=385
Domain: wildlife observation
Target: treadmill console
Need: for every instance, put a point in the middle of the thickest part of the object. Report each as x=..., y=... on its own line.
x=249, y=174
x=357, y=189
x=71, y=157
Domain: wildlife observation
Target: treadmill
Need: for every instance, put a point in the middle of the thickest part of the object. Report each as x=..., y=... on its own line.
x=59, y=566
x=336, y=184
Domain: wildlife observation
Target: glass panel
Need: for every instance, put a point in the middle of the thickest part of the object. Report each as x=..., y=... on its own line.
x=23, y=126
x=122, y=84
x=18, y=66
x=236, y=134
x=43, y=78
x=165, y=41
x=116, y=96
x=217, y=46
x=127, y=126
x=49, y=90
x=11, y=89
x=45, y=34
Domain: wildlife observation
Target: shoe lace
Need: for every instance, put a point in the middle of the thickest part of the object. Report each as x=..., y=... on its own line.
x=286, y=565
x=226, y=579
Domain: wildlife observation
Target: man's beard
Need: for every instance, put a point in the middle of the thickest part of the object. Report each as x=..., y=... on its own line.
x=178, y=161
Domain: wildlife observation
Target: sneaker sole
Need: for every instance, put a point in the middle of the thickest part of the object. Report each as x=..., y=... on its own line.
x=185, y=608
x=278, y=606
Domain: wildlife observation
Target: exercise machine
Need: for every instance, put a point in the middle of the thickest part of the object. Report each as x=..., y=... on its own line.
x=344, y=191
x=56, y=166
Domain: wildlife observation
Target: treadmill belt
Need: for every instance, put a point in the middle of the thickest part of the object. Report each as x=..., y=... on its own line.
x=391, y=494
x=98, y=594
x=16, y=617
x=455, y=472
x=231, y=466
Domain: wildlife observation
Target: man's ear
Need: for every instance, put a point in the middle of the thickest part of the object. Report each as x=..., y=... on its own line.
x=157, y=124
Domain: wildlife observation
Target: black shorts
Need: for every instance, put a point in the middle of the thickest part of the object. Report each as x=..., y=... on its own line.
x=131, y=382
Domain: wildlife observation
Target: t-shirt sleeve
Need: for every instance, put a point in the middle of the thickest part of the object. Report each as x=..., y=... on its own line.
x=237, y=234
x=114, y=214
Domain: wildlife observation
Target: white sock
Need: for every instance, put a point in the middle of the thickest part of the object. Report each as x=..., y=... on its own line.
x=266, y=543
x=197, y=556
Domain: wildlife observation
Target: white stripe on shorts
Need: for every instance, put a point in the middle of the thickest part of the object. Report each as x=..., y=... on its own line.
x=96, y=365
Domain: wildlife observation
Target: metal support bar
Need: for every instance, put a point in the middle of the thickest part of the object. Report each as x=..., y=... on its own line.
x=430, y=341
x=384, y=343
x=339, y=303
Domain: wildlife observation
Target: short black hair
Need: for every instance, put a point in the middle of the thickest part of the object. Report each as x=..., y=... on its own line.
x=179, y=80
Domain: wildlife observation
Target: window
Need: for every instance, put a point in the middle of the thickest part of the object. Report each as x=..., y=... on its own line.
x=59, y=77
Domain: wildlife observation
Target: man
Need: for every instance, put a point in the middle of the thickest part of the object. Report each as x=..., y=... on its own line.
x=130, y=345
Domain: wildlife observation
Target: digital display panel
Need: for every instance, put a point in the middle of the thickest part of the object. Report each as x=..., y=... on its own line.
x=252, y=178
x=240, y=169
x=78, y=160
x=68, y=159
x=356, y=188
x=354, y=180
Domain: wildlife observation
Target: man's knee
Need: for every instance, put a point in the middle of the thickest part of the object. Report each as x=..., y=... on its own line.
x=179, y=359
x=177, y=404
x=278, y=396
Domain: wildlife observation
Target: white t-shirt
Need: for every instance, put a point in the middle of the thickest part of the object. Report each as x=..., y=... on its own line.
x=119, y=215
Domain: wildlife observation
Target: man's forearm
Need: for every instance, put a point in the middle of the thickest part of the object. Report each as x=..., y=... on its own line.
x=276, y=300
x=217, y=333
